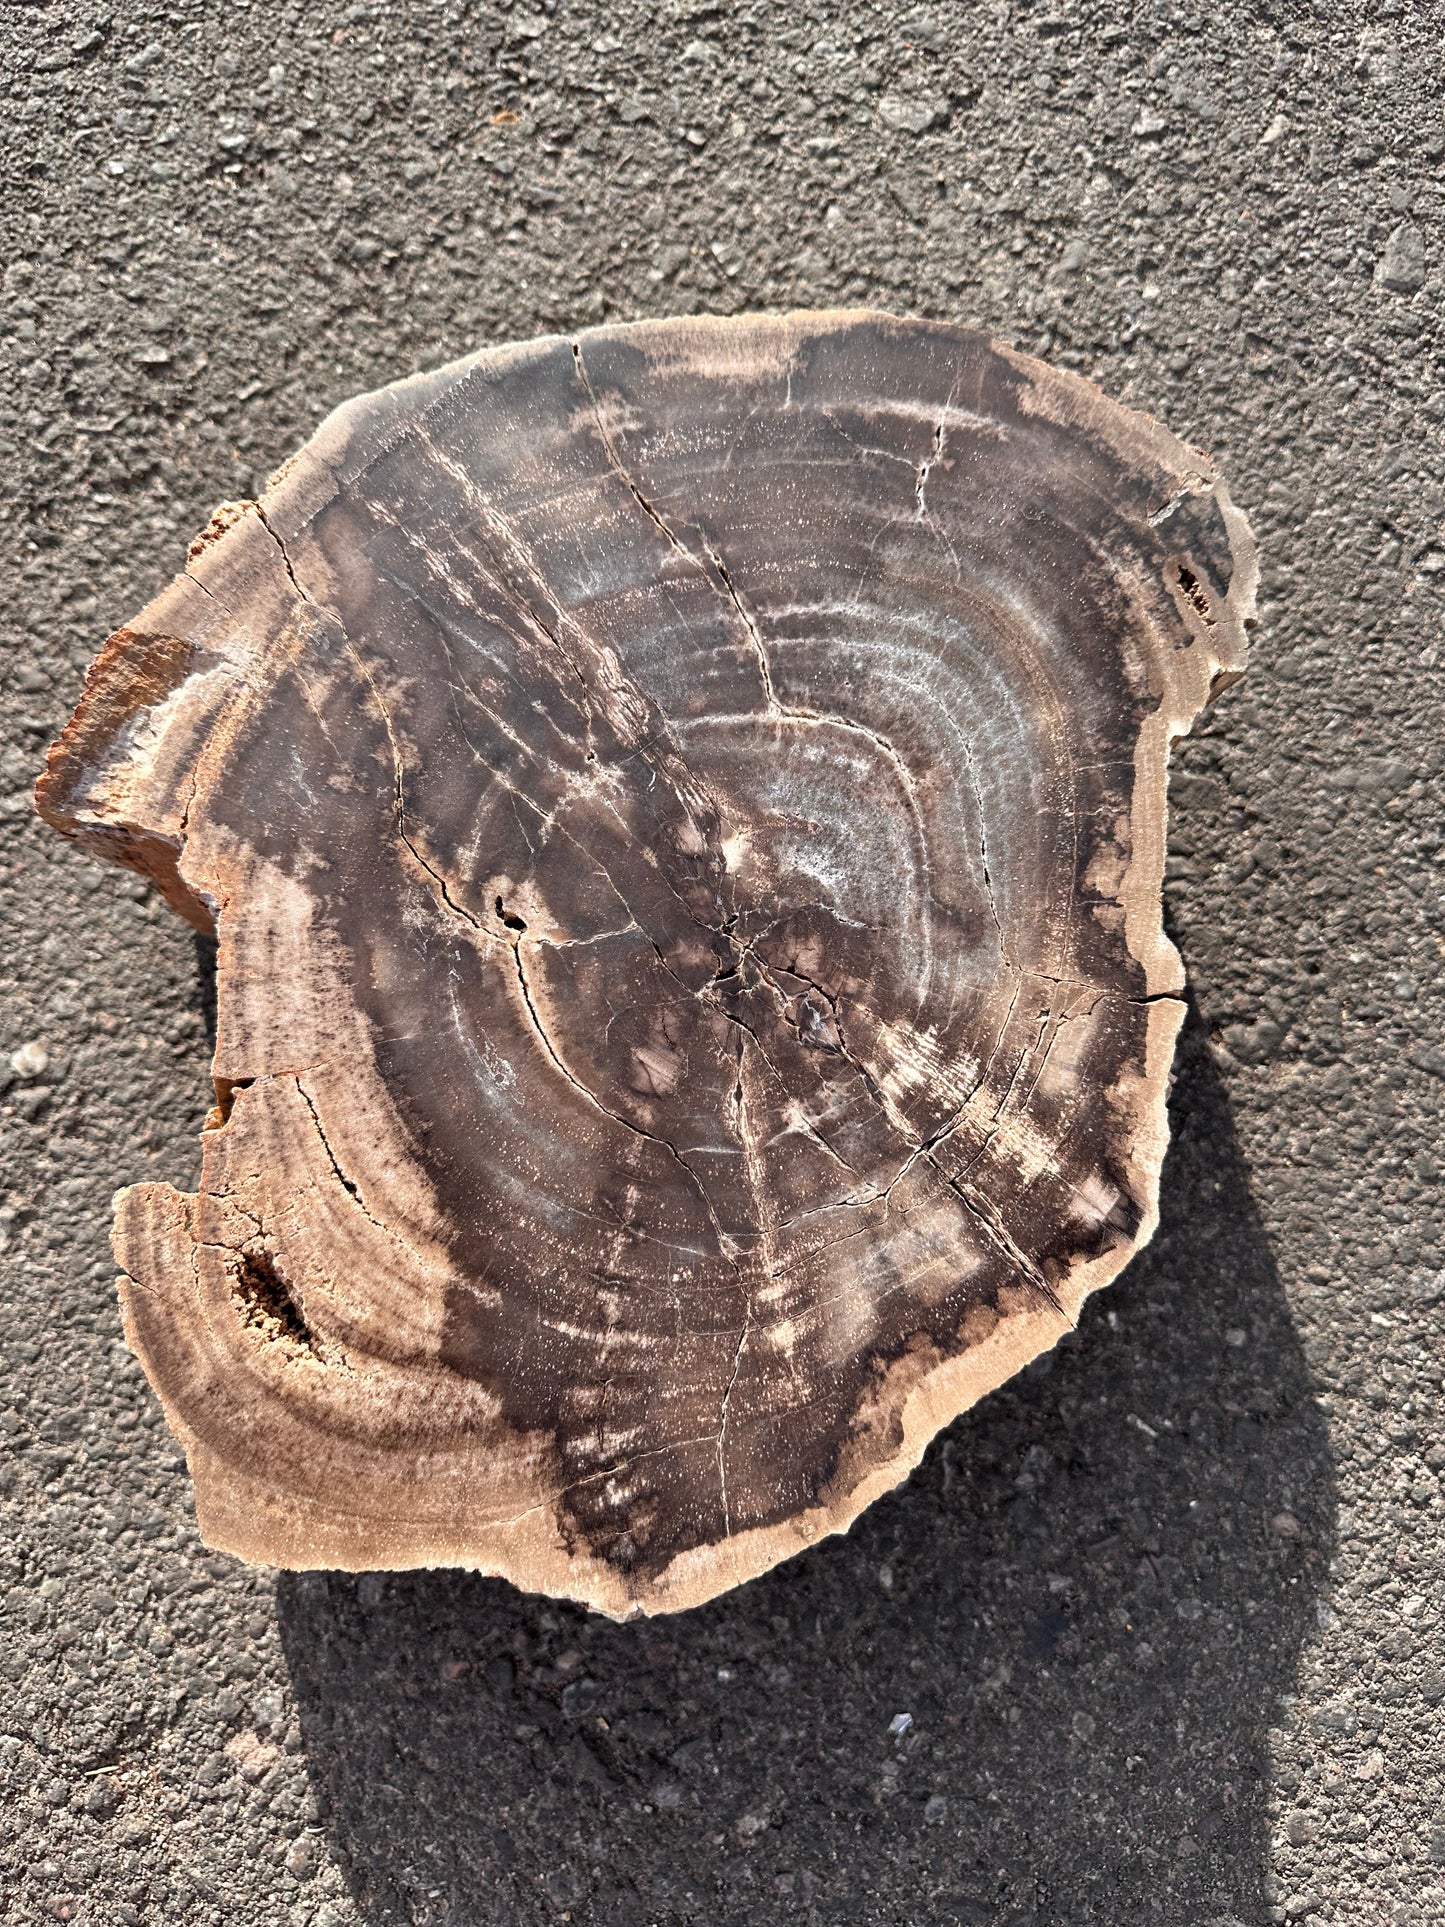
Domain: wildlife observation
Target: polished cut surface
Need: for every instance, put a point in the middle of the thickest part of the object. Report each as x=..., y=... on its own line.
x=683, y=814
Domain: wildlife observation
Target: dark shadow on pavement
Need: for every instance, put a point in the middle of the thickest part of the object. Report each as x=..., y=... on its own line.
x=1032, y=1686
x=203, y=994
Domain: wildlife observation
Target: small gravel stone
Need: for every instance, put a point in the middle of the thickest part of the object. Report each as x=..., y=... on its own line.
x=304, y=1857
x=101, y=1798
x=30, y=1060
x=1402, y=266
x=911, y=114
x=1254, y=1043
x=580, y=1697
x=561, y=1885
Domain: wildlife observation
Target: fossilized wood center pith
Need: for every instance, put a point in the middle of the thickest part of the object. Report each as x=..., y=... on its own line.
x=685, y=809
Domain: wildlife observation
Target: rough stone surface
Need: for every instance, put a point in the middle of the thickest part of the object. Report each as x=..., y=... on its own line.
x=1102, y=1538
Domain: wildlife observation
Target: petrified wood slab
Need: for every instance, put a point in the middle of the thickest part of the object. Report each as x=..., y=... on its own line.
x=683, y=815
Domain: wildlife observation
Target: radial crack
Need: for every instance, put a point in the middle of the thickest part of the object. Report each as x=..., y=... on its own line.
x=754, y=634
x=880, y=1097
x=983, y=857
x=726, y=1244
x=925, y=468
x=722, y=1430
x=619, y=467
x=999, y=1237
x=285, y=555
x=724, y=582
x=347, y=1184
x=946, y=1131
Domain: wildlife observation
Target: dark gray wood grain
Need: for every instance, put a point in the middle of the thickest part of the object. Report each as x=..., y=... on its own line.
x=683, y=813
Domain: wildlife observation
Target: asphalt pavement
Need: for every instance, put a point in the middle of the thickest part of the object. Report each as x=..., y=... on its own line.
x=1154, y=1634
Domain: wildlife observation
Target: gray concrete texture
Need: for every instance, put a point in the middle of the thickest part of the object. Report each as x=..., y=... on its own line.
x=1163, y=1615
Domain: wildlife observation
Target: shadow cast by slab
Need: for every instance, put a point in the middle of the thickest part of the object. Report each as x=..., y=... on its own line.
x=1032, y=1686
x=203, y=992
